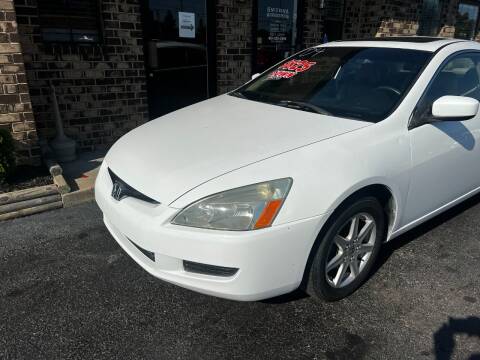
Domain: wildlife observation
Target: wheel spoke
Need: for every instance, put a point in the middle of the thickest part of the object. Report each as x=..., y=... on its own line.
x=353, y=232
x=341, y=242
x=335, y=262
x=340, y=275
x=354, y=268
x=366, y=230
x=365, y=248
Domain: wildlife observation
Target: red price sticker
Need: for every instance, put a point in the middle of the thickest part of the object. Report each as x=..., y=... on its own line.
x=290, y=69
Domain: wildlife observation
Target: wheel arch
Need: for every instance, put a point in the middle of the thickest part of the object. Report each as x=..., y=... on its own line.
x=386, y=195
x=382, y=192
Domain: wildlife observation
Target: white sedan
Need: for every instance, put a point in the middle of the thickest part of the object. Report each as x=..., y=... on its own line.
x=296, y=178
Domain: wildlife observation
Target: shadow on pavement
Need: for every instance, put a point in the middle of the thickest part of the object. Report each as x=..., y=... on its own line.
x=282, y=299
x=389, y=248
x=444, y=338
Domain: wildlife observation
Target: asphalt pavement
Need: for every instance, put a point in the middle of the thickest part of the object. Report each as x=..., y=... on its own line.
x=68, y=291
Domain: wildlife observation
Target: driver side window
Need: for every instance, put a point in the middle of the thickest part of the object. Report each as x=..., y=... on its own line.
x=460, y=76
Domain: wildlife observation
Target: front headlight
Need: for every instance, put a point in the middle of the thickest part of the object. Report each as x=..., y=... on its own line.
x=246, y=208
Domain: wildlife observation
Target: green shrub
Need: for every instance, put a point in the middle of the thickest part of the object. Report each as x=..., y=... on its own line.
x=7, y=159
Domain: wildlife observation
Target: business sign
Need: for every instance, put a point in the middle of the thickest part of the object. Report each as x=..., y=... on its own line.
x=186, y=25
x=279, y=23
x=276, y=32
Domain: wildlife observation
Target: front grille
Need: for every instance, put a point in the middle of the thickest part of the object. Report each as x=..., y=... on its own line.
x=128, y=191
x=205, y=269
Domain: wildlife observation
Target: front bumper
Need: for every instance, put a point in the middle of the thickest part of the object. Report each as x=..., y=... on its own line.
x=270, y=261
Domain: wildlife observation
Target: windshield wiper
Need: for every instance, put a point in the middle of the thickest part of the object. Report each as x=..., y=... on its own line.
x=238, y=94
x=300, y=105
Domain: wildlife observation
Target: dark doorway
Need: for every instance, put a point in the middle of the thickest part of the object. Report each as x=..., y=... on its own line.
x=176, y=53
x=334, y=18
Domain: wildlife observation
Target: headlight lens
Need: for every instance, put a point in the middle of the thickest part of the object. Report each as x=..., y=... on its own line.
x=246, y=208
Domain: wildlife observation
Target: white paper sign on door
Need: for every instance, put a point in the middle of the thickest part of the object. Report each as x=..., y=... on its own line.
x=186, y=25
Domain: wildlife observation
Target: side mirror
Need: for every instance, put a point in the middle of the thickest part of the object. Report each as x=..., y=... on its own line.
x=254, y=76
x=455, y=108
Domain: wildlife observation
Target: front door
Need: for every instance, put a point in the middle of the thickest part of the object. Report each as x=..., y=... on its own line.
x=445, y=154
x=176, y=54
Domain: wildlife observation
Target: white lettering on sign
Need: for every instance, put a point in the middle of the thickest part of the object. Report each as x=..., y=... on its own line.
x=186, y=25
x=278, y=13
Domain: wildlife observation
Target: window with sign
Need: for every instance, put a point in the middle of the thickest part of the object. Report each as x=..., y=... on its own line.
x=74, y=21
x=276, y=34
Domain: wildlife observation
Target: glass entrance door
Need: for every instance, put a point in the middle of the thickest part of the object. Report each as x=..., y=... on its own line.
x=176, y=54
x=276, y=34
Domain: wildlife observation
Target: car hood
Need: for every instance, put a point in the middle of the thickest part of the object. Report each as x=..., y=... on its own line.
x=171, y=155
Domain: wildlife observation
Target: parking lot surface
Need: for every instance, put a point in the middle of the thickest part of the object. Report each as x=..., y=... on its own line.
x=68, y=291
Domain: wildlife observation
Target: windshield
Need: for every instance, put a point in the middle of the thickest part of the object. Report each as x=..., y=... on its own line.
x=353, y=82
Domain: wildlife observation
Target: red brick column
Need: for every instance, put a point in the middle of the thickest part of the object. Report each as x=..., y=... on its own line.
x=313, y=23
x=15, y=107
x=234, y=43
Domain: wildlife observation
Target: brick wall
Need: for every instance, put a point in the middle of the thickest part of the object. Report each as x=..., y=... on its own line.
x=313, y=26
x=370, y=18
x=101, y=88
x=399, y=18
x=15, y=108
x=234, y=43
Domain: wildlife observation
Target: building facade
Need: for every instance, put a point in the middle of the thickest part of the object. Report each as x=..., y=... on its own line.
x=115, y=64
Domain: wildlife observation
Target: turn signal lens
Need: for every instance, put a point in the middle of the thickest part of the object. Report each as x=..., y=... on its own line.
x=268, y=214
x=246, y=208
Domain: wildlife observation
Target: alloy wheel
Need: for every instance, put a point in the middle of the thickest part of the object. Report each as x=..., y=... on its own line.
x=351, y=250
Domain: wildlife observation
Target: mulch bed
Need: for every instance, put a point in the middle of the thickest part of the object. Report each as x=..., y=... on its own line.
x=26, y=177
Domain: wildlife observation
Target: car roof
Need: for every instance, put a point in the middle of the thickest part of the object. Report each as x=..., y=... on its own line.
x=424, y=43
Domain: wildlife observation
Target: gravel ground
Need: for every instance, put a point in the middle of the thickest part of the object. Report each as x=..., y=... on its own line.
x=67, y=291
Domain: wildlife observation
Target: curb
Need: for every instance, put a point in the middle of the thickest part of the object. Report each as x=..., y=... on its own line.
x=69, y=198
x=54, y=168
x=30, y=201
x=78, y=197
x=38, y=199
x=58, y=179
x=43, y=198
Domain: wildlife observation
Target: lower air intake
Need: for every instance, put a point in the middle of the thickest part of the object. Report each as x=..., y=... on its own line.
x=147, y=253
x=205, y=269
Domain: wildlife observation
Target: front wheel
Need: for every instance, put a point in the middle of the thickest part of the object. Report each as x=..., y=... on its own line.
x=346, y=253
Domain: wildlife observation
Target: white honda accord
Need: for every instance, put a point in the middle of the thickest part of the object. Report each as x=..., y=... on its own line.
x=296, y=178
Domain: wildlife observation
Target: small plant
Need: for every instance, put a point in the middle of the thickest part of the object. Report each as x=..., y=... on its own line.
x=7, y=159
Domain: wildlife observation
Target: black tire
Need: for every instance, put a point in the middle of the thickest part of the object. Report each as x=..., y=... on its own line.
x=317, y=284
